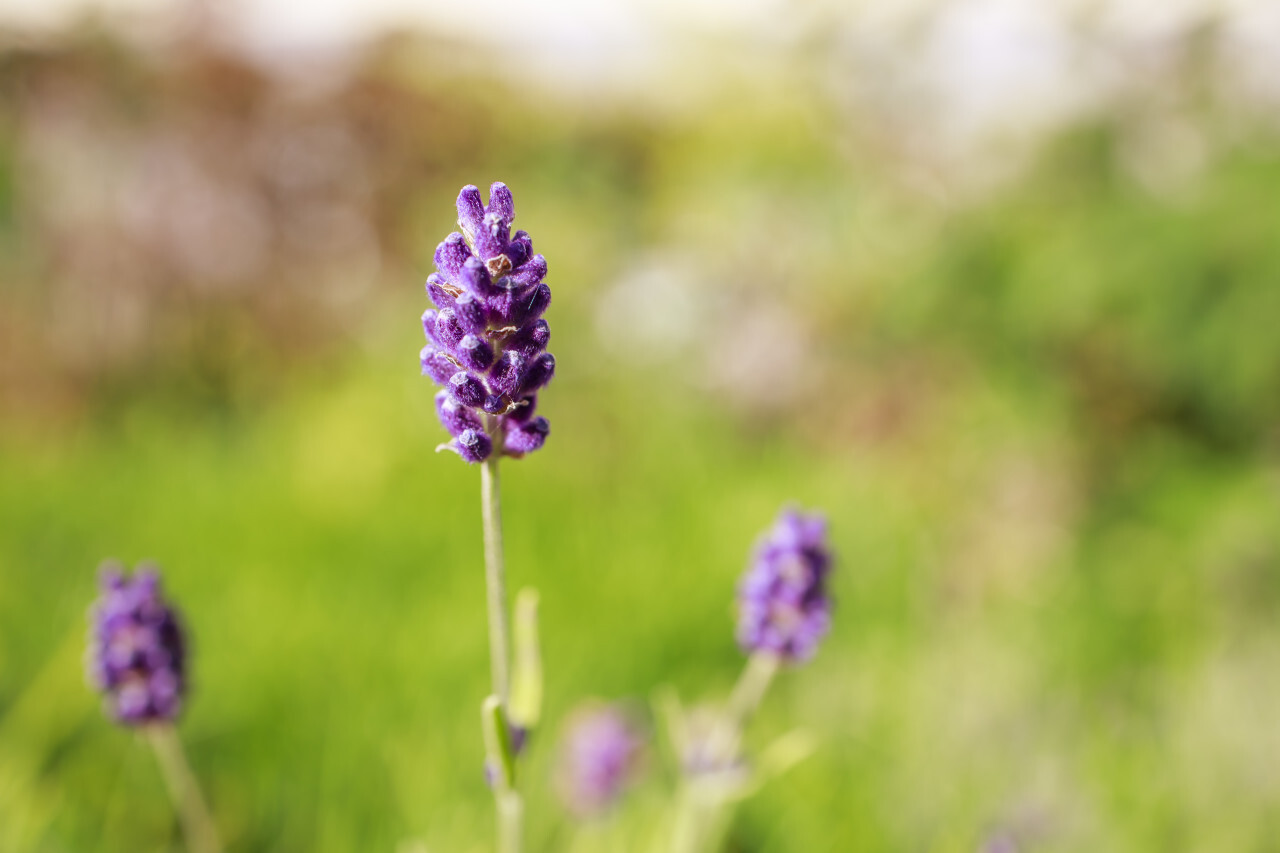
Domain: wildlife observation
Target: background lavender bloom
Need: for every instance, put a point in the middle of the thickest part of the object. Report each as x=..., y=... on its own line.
x=137, y=652
x=783, y=605
x=600, y=755
x=486, y=339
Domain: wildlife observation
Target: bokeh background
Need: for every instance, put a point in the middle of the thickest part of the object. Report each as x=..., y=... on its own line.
x=994, y=284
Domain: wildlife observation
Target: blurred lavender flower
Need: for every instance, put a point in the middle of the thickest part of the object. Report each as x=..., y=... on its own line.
x=600, y=755
x=486, y=339
x=137, y=652
x=783, y=606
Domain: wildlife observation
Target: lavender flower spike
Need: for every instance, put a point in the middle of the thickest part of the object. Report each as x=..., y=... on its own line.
x=486, y=340
x=137, y=652
x=783, y=605
x=600, y=756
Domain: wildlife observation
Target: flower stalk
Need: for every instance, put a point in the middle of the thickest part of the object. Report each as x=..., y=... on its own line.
x=500, y=751
x=495, y=582
x=700, y=814
x=502, y=761
x=197, y=824
x=751, y=687
x=747, y=694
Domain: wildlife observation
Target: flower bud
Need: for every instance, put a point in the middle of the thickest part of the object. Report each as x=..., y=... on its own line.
x=531, y=272
x=538, y=373
x=531, y=304
x=435, y=290
x=471, y=314
x=474, y=353
x=520, y=248
x=506, y=374
x=470, y=211
x=466, y=389
x=436, y=364
x=448, y=330
x=450, y=256
x=455, y=417
x=522, y=438
x=531, y=338
x=501, y=204
x=429, y=318
x=473, y=445
x=494, y=236
x=475, y=279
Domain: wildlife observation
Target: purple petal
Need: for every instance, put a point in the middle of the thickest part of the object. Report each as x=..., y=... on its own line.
x=470, y=210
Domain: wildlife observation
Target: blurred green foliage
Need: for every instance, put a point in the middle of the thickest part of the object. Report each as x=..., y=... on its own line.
x=1042, y=421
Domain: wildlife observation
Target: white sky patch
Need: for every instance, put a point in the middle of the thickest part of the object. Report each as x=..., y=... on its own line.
x=978, y=64
x=993, y=60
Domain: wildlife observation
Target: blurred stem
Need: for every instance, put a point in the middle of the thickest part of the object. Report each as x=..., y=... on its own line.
x=510, y=817
x=687, y=832
x=495, y=581
x=751, y=687
x=700, y=809
x=700, y=821
x=507, y=799
x=756, y=677
x=197, y=825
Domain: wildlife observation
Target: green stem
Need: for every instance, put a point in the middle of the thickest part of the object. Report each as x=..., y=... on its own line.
x=751, y=687
x=743, y=701
x=510, y=808
x=687, y=833
x=197, y=825
x=510, y=818
x=495, y=581
x=699, y=819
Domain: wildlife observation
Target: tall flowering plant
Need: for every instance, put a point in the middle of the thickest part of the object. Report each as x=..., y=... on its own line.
x=487, y=346
x=137, y=659
x=784, y=611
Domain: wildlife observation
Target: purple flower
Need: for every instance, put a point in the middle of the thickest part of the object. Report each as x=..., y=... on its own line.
x=486, y=339
x=599, y=757
x=783, y=605
x=137, y=653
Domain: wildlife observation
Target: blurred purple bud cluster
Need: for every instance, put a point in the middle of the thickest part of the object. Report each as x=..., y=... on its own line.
x=486, y=338
x=137, y=652
x=783, y=605
x=601, y=754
